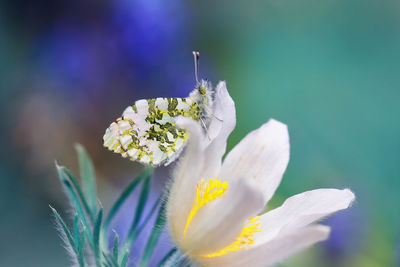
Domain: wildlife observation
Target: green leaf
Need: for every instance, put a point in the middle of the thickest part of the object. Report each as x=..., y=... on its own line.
x=88, y=177
x=124, y=195
x=155, y=235
x=64, y=228
x=115, y=247
x=138, y=214
x=124, y=260
x=167, y=257
x=109, y=261
x=81, y=250
x=146, y=220
x=174, y=258
x=144, y=194
x=82, y=197
x=96, y=237
x=77, y=242
x=76, y=228
x=75, y=200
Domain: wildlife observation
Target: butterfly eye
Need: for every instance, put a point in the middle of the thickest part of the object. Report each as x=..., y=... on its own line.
x=202, y=90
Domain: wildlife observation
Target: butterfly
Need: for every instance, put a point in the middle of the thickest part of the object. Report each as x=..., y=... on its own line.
x=146, y=131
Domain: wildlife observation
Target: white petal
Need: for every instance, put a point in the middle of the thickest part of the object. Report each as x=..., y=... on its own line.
x=219, y=223
x=273, y=251
x=261, y=156
x=185, y=176
x=223, y=121
x=303, y=209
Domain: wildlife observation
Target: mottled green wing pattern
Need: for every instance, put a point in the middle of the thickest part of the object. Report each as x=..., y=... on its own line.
x=147, y=133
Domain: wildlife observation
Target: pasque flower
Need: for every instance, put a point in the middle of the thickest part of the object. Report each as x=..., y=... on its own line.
x=214, y=210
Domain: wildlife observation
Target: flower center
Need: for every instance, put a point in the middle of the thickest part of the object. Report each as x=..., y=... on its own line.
x=209, y=191
x=205, y=193
x=245, y=238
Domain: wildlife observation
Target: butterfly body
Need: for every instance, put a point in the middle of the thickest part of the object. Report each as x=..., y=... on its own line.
x=147, y=133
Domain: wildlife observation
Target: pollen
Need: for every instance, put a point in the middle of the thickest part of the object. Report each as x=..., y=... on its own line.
x=243, y=241
x=205, y=193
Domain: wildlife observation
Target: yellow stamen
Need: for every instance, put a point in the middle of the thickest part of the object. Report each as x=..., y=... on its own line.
x=244, y=239
x=205, y=193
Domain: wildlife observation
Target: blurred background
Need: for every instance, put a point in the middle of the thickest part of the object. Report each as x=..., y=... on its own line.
x=329, y=69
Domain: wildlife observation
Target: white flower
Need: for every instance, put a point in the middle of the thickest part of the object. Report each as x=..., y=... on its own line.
x=213, y=207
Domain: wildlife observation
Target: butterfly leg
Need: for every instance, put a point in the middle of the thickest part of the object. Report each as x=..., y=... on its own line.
x=205, y=128
x=218, y=119
x=212, y=114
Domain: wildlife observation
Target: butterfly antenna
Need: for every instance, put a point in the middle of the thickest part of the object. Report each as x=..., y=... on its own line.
x=196, y=56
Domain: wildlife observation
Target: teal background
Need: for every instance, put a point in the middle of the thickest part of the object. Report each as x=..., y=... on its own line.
x=328, y=69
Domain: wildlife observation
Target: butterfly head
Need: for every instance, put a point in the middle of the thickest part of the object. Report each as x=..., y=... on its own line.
x=202, y=87
x=202, y=91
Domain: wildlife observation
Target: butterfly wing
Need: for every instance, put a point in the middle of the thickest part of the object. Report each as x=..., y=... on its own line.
x=146, y=132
